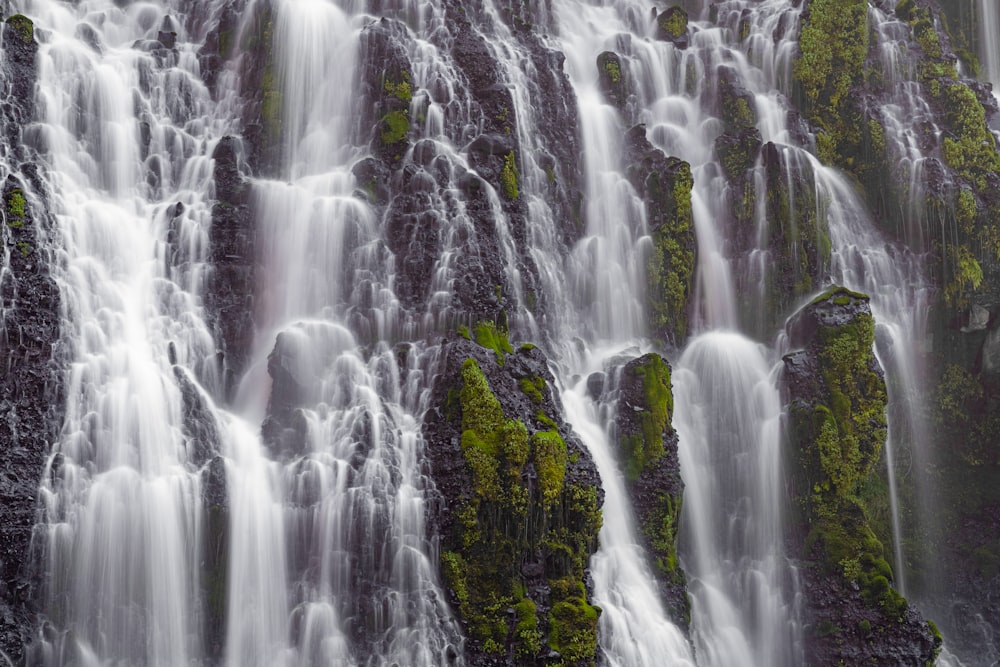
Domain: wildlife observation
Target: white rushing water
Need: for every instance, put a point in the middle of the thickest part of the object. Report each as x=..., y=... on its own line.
x=325, y=521
x=322, y=544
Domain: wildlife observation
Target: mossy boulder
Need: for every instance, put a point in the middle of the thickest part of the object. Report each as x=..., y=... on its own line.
x=672, y=26
x=835, y=394
x=521, y=504
x=647, y=445
x=665, y=183
x=612, y=78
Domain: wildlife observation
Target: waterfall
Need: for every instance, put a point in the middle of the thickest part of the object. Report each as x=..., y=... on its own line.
x=989, y=19
x=284, y=516
x=322, y=533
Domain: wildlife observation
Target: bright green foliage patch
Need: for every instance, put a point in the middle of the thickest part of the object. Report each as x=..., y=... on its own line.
x=490, y=336
x=533, y=388
x=16, y=208
x=401, y=90
x=395, y=127
x=671, y=264
x=509, y=177
x=644, y=450
x=841, y=440
x=505, y=520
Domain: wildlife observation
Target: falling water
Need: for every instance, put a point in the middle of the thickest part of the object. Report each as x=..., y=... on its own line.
x=727, y=415
x=325, y=514
x=123, y=499
x=326, y=541
x=989, y=40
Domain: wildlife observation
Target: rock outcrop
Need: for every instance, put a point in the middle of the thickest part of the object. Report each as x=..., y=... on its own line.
x=520, y=505
x=648, y=450
x=835, y=395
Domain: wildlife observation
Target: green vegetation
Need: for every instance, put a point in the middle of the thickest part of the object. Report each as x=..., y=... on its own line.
x=23, y=26
x=506, y=518
x=674, y=22
x=671, y=263
x=643, y=450
x=401, y=90
x=395, y=127
x=614, y=70
x=488, y=335
x=840, y=439
x=16, y=208
x=963, y=275
x=533, y=388
x=509, y=177
x=971, y=149
x=833, y=45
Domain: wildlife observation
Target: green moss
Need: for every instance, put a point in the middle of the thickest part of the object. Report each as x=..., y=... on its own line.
x=23, y=26
x=550, y=462
x=509, y=177
x=533, y=388
x=966, y=210
x=964, y=275
x=840, y=440
x=644, y=449
x=970, y=149
x=395, y=127
x=662, y=533
x=16, y=208
x=401, y=90
x=463, y=331
x=833, y=44
x=674, y=22
x=505, y=520
x=494, y=338
x=24, y=248
x=671, y=265
x=573, y=623
x=614, y=71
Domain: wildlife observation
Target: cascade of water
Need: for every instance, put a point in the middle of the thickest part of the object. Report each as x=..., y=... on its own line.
x=123, y=500
x=634, y=630
x=329, y=537
x=989, y=40
x=358, y=558
x=727, y=415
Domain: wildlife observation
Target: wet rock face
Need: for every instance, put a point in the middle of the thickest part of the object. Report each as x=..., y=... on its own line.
x=665, y=185
x=648, y=444
x=229, y=299
x=835, y=398
x=518, y=513
x=31, y=385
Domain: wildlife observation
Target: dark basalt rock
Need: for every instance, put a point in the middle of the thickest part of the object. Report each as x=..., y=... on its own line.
x=229, y=299
x=611, y=77
x=532, y=555
x=215, y=575
x=835, y=398
x=200, y=428
x=665, y=185
x=292, y=386
x=649, y=447
x=31, y=390
x=735, y=105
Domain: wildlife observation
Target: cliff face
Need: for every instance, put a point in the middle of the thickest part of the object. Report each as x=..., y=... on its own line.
x=517, y=500
x=31, y=384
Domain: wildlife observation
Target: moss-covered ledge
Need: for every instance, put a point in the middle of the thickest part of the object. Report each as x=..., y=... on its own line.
x=521, y=504
x=835, y=397
x=648, y=451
